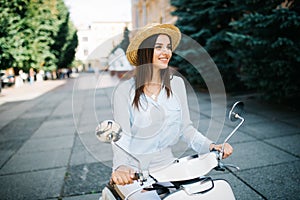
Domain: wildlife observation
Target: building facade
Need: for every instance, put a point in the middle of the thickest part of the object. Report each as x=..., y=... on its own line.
x=96, y=41
x=151, y=11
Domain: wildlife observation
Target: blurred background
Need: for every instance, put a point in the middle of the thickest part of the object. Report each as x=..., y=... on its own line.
x=255, y=44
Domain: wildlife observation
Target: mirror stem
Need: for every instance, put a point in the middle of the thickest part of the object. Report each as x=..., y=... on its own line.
x=131, y=156
x=230, y=135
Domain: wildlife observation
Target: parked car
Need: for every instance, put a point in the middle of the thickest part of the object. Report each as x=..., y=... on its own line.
x=7, y=80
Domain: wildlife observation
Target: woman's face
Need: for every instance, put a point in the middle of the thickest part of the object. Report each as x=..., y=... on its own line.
x=162, y=52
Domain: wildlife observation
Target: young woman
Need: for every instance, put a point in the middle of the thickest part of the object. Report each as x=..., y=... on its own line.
x=152, y=110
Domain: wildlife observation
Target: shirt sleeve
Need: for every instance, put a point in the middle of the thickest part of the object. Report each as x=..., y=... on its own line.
x=191, y=135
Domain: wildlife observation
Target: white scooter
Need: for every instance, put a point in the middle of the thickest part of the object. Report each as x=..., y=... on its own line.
x=187, y=175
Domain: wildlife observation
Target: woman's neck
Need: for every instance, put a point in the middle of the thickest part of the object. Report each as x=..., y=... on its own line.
x=156, y=77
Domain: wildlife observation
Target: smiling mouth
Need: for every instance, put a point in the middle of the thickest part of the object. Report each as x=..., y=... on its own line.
x=164, y=59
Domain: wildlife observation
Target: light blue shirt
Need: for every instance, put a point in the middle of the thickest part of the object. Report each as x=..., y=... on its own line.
x=151, y=130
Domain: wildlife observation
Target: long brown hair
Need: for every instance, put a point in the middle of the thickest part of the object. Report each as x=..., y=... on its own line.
x=144, y=69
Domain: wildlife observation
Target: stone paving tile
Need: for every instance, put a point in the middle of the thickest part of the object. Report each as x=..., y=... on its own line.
x=102, y=152
x=292, y=120
x=238, y=137
x=5, y=155
x=101, y=92
x=257, y=154
x=270, y=129
x=87, y=118
x=89, y=137
x=87, y=128
x=203, y=94
x=20, y=129
x=80, y=154
x=84, y=197
x=85, y=82
x=288, y=143
x=279, y=112
x=12, y=110
x=218, y=132
x=48, y=131
x=7, y=107
x=11, y=144
x=86, y=179
x=91, y=149
x=38, y=111
x=251, y=118
x=101, y=101
x=108, y=92
x=275, y=182
x=65, y=107
x=8, y=149
x=40, y=114
x=36, y=161
x=103, y=114
x=33, y=185
x=214, y=112
x=46, y=144
x=240, y=190
x=60, y=120
x=14, y=135
x=271, y=111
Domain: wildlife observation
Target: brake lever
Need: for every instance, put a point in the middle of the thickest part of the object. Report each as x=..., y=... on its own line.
x=222, y=167
x=139, y=176
x=218, y=168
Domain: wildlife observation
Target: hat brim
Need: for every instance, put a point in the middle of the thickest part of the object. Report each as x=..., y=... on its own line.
x=147, y=31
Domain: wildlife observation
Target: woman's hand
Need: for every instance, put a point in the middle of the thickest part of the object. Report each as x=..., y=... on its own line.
x=227, y=149
x=123, y=175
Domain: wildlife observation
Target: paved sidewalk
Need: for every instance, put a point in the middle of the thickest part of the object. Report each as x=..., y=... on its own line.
x=48, y=149
x=28, y=91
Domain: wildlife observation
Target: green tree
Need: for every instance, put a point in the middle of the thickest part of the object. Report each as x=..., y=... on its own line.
x=267, y=43
x=42, y=21
x=35, y=34
x=13, y=29
x=65, y=40
x=207, y=22
x=67, y=55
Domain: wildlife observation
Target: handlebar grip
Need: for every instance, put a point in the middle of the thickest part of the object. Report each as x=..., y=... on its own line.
x=213, y=149
x=136, y=176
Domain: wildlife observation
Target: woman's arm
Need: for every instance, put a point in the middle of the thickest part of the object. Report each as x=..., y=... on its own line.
x=197, y=140
x=192, y=136
x=122, y=173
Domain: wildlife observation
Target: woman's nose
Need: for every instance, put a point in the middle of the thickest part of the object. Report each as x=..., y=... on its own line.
x=165, y=49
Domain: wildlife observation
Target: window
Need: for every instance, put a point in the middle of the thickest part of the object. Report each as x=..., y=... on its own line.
x=85, y=39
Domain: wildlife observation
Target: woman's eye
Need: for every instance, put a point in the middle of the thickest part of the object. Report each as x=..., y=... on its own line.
x=159, y=47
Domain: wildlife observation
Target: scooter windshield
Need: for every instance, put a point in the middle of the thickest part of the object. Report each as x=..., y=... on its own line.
x=158, y=128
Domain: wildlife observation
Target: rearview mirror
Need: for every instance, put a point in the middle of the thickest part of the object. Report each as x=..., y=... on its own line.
x=108, y=131
x=236, y=111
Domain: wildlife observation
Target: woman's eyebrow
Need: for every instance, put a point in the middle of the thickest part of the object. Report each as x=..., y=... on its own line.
x=161, y=43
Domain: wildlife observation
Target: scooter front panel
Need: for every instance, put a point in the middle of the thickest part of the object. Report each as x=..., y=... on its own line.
x=186, y=168
x=221, y=190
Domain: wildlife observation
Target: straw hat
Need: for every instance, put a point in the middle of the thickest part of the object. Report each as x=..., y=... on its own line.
x=148, y=31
